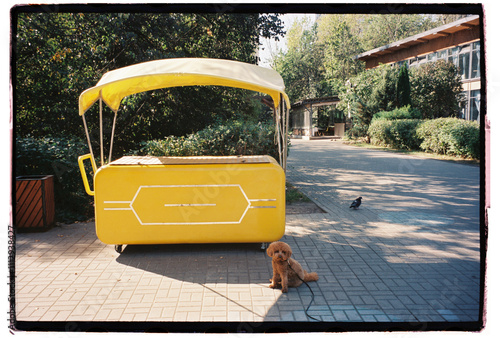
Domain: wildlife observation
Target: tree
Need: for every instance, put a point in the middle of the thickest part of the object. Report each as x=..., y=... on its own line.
x=339, y=45
x=436, y=89
x=382, y=29
x=403, y=87
x=58, y=55
x=301, y=66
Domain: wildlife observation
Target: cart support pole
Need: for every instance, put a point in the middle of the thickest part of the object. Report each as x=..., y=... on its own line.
x=277, y=135
x=285, y=131
x=100, y=127
x=88, y=136
x=112, y=137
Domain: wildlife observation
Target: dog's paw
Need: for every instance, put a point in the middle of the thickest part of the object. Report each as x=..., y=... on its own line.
x=284, y=290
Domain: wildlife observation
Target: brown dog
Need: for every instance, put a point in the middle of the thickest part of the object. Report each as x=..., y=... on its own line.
x=287, y=271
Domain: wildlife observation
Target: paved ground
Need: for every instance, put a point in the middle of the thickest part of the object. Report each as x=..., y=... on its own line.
x=410, y=253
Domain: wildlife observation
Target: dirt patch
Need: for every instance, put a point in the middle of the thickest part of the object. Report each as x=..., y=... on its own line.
x=309, y=207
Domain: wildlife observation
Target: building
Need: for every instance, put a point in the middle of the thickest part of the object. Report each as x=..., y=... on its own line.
x=458, y=42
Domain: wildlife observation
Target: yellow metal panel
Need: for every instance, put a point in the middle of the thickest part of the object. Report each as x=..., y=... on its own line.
x=198, y=203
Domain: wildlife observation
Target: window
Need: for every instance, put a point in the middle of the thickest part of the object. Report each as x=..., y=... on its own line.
x=474, y=105
x=464, y=65
x=442, y=54
x=476, y=61
x=463, y=106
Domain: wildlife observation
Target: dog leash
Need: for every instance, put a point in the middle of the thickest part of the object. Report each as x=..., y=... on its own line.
x=312, y=292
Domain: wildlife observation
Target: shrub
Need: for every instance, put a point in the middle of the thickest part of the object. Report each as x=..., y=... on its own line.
x=405, y=112
x=399, y=134
x=57, y=156
x=436, y=89
x=450, y=136
x=232, y=138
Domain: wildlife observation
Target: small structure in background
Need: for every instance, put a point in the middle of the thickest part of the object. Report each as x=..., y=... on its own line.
x=317, y=117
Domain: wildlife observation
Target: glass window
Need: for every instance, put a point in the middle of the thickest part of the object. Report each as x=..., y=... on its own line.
x=474, y=105
x=463, y=106
x=432, y=57
x=475, y=65
x=463, y=64
x=453, y=59
x=453, y=51
x=442, y=54
x=476, y=45
x=464, y=49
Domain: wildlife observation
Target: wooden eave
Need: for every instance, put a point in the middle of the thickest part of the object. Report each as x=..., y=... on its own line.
x=425, y=37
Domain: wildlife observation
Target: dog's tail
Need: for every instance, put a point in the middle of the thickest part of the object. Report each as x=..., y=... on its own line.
x=310, y=277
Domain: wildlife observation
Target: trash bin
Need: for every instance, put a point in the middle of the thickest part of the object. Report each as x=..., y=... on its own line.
x=35, y=207
x=339, y=129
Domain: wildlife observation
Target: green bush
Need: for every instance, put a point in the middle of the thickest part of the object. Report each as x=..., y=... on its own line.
x=402, y=113
x=58, y=157
x=450, y=136
x=399, y=134
x=232, y=138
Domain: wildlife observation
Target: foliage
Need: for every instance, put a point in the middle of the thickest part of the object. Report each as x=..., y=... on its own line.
x=450, y=136
x=57, y=156
x=399, y=134
x=294, y=195
x=436, y=89
x=232, y=138
x=385, y=28
x=301, y=66
x=339, y=46
x=365, y=95
x=406, y=112
x=320, y=57
x=58, y=55
x=435, y=92
x=403, y=88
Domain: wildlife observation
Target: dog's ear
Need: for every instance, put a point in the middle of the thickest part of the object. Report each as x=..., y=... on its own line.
x=270, y=249
x=287, y=250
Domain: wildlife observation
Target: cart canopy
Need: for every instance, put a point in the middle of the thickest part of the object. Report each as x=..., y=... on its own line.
x=122, y=82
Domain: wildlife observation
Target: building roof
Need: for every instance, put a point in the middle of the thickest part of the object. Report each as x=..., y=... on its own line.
x=317, y=101
x=438, y=32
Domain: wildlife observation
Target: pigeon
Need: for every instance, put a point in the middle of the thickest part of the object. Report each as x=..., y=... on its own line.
x=356, y=203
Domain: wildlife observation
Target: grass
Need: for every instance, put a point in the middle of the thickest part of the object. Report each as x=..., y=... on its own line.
x=294, y=195
x=434, y=156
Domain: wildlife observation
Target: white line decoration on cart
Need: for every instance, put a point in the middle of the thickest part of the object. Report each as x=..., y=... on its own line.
x=190, y=204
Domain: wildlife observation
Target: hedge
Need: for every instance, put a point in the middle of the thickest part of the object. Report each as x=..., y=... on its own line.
x=399, y=134
x=232, y=138
x=448, y=136
x=402, y=113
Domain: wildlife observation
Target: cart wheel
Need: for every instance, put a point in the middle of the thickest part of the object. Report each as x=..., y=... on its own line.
x=119, y=248
x=264, y=246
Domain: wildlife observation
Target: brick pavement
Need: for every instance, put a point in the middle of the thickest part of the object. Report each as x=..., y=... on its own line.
x=410, y=253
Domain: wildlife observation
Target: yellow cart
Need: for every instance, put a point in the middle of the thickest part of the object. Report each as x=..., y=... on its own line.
x=171, y=200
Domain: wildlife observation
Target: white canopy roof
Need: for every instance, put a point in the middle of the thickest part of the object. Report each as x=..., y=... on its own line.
x=122, y=82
